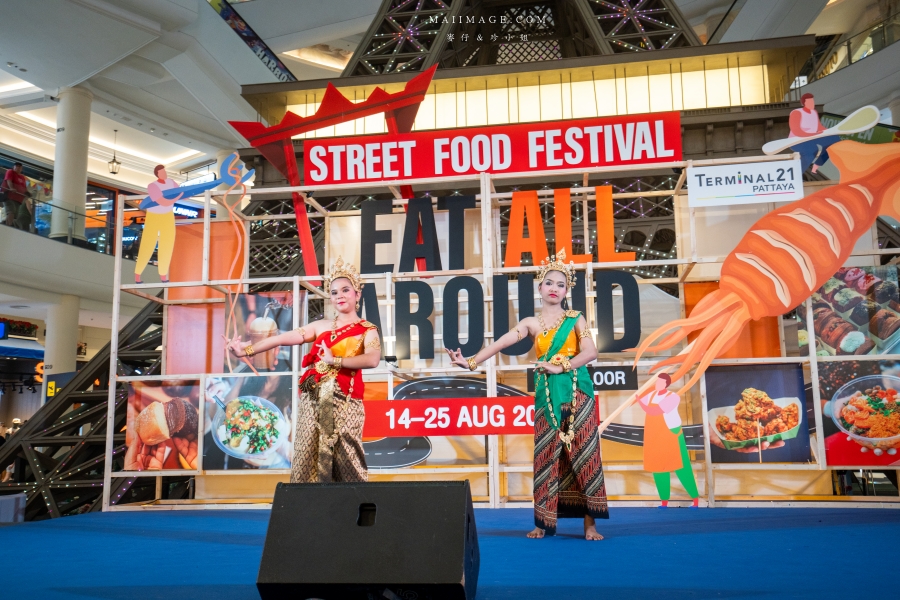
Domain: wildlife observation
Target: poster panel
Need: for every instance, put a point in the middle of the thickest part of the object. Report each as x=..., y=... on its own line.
x=860, y=414
x=247, y=423
x=750, y=404
x=162, y=425
x=856, y=312
x=257, y=317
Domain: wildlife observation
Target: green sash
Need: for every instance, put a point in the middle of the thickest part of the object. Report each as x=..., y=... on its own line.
x=559, y=386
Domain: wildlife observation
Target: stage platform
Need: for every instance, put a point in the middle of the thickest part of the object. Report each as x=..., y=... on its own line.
x=648, y=553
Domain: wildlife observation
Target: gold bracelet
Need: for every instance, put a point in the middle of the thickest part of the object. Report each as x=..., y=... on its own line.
x=337, y=362
x=472, y=364
x=249, y=351
x=561, y=361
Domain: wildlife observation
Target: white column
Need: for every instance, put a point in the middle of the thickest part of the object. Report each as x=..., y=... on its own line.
x=73, y=123
x=61, y=344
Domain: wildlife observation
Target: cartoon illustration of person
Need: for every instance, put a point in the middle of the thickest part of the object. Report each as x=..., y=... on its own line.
x=665, y=451
x=159, y=225
x=804, y=122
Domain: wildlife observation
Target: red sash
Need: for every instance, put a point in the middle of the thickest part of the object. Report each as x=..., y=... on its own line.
x=344, y=376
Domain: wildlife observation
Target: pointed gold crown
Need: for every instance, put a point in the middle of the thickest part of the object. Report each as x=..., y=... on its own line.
x=557, y=264
x=341, y=269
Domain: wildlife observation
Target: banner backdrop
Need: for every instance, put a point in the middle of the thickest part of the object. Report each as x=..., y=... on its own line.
x=577, y=143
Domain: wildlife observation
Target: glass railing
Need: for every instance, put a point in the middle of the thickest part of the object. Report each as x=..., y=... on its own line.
x=92, y=232
x=858, y=47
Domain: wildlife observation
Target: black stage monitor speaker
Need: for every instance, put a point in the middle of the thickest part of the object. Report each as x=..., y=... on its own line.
x=371, y=541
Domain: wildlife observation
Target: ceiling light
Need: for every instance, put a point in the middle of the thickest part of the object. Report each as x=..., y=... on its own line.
x=114, y=165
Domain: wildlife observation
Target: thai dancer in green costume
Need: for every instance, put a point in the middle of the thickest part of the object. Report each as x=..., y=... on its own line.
x=568, y=473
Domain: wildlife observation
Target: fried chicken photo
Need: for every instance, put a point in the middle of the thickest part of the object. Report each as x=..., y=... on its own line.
x=756, y=414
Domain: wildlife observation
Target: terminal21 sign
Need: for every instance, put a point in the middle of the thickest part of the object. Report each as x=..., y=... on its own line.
x=520, y=148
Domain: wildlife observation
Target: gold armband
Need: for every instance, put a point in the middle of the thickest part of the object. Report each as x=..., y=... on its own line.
x=249, y=351
x=472, y=364
x=518, y=334
x=584, y=334
x=375, y=343
x=302, y=332
x=561, y=361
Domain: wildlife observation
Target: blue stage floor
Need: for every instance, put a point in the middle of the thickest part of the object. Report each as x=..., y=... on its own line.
x=649, y=553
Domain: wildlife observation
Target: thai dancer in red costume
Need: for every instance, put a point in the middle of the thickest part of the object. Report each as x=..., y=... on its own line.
x=328, y=439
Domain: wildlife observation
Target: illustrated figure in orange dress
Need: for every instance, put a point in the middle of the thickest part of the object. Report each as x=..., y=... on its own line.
x=330, y=415
x=665, y=451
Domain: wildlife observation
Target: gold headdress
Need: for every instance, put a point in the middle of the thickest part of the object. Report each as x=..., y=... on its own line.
x=557, y=264
x=342, y=269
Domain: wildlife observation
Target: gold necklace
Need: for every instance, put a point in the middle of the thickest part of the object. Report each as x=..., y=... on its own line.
x=544, y=327
x=334, y=332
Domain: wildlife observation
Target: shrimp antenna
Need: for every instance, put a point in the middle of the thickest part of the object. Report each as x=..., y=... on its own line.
x=721, y=315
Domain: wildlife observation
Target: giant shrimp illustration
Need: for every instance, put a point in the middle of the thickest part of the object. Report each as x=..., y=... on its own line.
x=786, y=255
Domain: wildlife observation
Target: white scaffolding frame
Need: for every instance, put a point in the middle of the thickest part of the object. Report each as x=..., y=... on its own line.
x=495, y=469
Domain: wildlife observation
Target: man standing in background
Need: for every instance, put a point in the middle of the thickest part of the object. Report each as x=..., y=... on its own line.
x=15, y=191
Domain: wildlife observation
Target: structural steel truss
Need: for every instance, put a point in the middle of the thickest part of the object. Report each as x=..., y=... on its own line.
x=413, y=35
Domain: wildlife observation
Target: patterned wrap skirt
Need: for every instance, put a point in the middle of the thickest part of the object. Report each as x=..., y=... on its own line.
x=568, y=483
x=328, y=439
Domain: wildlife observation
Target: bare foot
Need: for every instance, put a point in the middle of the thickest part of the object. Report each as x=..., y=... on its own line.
x=537, y=533
x=590, y=530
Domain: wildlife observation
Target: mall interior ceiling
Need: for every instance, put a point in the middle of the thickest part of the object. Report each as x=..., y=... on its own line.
x=157, y=82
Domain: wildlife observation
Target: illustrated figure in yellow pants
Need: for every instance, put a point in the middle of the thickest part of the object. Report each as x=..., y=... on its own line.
x=159, y=225
x=665, y=451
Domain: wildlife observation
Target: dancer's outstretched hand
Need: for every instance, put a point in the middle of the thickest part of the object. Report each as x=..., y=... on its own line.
x=236, y=346
x=457, y=358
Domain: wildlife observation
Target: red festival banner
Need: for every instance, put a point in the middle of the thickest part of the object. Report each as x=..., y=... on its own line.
x=572, y=144
x=449, y=416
